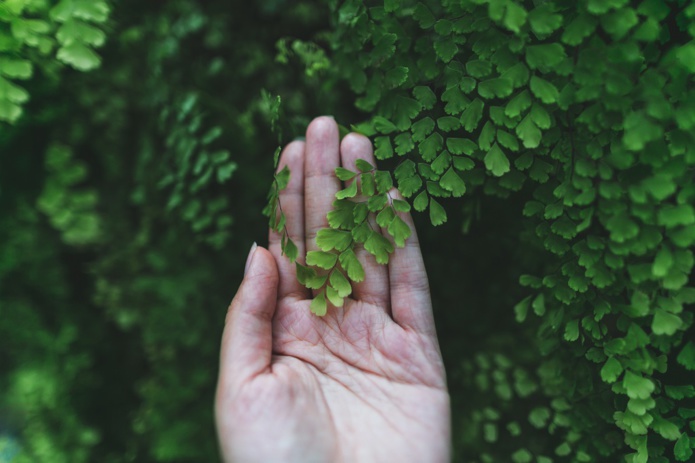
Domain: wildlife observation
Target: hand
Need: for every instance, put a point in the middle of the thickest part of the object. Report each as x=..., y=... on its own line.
x=363, y=384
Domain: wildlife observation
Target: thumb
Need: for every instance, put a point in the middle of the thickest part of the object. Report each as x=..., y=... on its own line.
x=247, y=340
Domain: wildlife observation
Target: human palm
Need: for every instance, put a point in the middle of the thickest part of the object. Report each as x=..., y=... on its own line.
x=364, y=383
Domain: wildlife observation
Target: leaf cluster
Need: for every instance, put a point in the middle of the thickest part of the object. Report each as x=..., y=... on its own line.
x=31, y=31
x=584, y=109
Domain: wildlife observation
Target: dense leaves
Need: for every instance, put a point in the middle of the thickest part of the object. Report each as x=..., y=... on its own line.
x=558, y=135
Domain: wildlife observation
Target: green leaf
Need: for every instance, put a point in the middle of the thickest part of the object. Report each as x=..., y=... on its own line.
x=518, y=104
x=479, y=68
x=472, y=115
x=672, y=216
x=545, y=56
x=683, y=448
x=686, y=56
x=383, y=125
x=383, y=181
x=421, y=200
x=514, y=17
x=79, y=56
x=440, y=164
x=333, y=297
x=342, y=215
x=349, y=192
x=662, y=262
x=618, y=23
x=497, y=87
x=463, y=164
x=396, y=77
x=422, y=128
x=325, y=260
x=666, y=323
x=544, y=90
x=544, y=20
x=409, y=186
x=344, y=174
x=423, y=16
x=572, y=330
x=309, y=278
x=622, y=227
x=425, y=96
x=363, y=165
x=636, y=386
x=290, y=250
x=452, y=182
x=283, y=178
x=539, y=417
x=640, y=130
x=340, y=283
x=404, y=143
x=378, y=202
x=529, y=133
x=352, y=265
x=687, y=356
x=328, y=239
x=360, y=213
x=318, y=305
x=578, y=29
x=496, y=161
x=400, y=231
x=487, y=136
x=384, y=218
x=383, y=148
x=446, y=49
x=401, y=206
x=367, y=184
x=448, y=123
x=666, y=429
x=429, y=149
x=456, y=100
x=77, y=31
x=15, y=68
x=611, y=370
x=461, y=146
x=507, y=140
x=437, y=213
x=379, y=247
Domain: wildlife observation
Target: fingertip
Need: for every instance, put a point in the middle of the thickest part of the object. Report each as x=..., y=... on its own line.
x=322, y=127
x=262, y=266
x=353, y=147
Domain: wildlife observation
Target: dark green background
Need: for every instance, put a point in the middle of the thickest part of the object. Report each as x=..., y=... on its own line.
x=110, y=319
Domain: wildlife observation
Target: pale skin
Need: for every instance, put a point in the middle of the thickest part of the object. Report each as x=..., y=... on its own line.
x=364, y=383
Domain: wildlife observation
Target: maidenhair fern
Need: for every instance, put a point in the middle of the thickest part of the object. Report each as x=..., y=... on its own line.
x=31, y=31
x=587, y=108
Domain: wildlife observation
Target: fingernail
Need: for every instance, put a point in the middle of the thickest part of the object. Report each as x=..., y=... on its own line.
x=250, y=257
x=299, y=139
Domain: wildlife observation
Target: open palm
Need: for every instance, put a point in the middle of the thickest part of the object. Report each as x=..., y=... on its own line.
x=365, y=383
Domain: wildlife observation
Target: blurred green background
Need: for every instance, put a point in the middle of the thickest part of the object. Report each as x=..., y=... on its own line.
x=129, y=197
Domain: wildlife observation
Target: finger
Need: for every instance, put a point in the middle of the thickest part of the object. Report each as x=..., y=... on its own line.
x=375, y=288
x=411, y=305
x=320, y=182
x=292, y=203
x=247, y=340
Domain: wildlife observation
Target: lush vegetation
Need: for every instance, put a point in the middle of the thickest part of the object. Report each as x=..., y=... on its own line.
x=552, y=141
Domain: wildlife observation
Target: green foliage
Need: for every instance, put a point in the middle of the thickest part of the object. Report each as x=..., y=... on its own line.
x=582, y=110
x=330, y=270
x=31, y=31
x=557, y=135
x=121, y=205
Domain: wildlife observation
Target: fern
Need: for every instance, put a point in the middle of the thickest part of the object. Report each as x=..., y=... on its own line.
x=589, y=107
x=31, y=31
